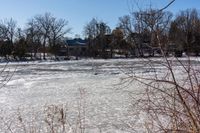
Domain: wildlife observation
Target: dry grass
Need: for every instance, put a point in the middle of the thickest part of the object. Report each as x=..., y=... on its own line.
x=54, y=119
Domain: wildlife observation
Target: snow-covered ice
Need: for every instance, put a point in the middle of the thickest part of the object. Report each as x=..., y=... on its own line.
x=34, y=85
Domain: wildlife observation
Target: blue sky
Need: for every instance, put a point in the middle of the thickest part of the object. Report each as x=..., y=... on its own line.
x=79, y=12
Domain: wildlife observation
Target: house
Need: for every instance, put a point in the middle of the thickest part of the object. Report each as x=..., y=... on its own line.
x=76, y=47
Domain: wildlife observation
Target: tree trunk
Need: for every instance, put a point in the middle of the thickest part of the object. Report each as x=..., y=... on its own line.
x=44, y=50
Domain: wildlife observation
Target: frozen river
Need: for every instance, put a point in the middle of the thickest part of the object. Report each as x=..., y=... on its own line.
x=96, y=84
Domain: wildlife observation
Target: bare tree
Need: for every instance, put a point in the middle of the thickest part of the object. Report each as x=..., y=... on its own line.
x=90, y=29
x=8, y=29
x=7, y=34
x=44, y=22
x=118, y=42
x=96, y=31
x=20, y=45
x=57, y=33
x=48, y=31
x=33, y=37
x=90, y=32
x=142, y=25
x=185, y=30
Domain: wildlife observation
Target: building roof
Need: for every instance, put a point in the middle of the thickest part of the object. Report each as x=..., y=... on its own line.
x=76, y=42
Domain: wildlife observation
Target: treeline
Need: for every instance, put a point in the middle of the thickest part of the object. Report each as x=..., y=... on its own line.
x=43, y=34
x=150, y=31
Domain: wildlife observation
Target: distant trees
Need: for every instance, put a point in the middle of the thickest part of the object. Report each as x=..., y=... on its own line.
x=119, y=43
x=44, y=25
x=145, y=26
x=33, y=37
x=7, y=34
x=102, y=41
x=57, y=33
x=102, y=29
x=48, y=30
x=185, y=31
x=147, y=31
x=20, y=47
x=7, y=30
x=43, y=33
x=96, y=32
x=156, y=22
